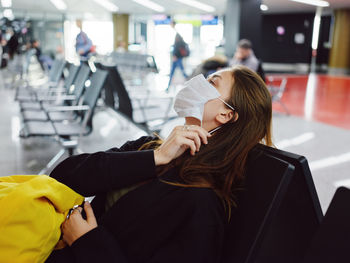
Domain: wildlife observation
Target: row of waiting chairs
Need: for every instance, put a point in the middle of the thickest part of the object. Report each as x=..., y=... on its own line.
x=63, y=113
x=279, y=217
x=147, y=111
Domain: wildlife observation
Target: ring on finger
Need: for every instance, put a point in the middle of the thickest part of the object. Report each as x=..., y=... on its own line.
x=186, y=128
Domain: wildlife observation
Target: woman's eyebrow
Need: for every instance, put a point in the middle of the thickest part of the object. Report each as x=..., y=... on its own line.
x=216, y=75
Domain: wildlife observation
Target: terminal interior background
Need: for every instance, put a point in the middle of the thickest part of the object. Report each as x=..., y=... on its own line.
x=304, y=48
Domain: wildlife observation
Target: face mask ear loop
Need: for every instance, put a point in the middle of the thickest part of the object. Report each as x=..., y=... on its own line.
x=228, y=105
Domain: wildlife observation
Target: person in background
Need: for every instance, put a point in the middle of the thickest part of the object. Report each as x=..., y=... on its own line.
x=210, y=65
x=245, y=56
x=83, y=44
x=180, y=50
x=36, y=47
x=12, y=43
x=44, y=60
x=121, y=47
x=0, y=45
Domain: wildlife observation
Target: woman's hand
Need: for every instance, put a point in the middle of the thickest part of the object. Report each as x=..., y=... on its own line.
x=76, y=226
x=180, y=139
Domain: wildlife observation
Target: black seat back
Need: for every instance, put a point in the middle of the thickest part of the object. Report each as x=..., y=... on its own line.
x=116, y=95
x=56, y=70
x=298, y=217
x=92, y=94
x=72, y=73
x=266, y=182
x=79, y=83
x=331, y=242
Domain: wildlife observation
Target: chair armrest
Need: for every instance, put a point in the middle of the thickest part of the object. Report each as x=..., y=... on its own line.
x=58, y=97
x=69, y=108
x=58, y=90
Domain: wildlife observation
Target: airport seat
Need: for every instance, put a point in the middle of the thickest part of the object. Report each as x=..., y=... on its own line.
x=133, y=108
x=298, y=217
x=277, y=90
x=32, y=93
x=43, y=114
x=331, y=242
x=266, y=182
x=65, y=131
x=52, y=98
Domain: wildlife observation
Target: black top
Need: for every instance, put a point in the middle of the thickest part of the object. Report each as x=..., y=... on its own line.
x=179, y=45
x=156, y=222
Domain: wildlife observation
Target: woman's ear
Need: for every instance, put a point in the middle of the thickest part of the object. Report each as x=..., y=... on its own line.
x=236, y=116
x=225, y=117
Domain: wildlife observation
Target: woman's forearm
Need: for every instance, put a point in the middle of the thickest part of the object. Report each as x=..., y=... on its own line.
x=90, y=174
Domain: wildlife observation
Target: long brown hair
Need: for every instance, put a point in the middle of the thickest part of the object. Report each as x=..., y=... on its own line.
x=220, y=164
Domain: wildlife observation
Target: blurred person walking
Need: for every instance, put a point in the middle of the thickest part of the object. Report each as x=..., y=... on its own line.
x=180, y=50
x=83, y=44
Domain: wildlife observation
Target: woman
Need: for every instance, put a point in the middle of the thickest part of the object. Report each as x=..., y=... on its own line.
x=183, y=188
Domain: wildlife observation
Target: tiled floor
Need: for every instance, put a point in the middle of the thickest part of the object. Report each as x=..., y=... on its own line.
x=322, y=136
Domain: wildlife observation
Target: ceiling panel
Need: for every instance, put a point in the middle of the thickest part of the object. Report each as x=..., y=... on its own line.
x=286, y=6
x=79, y=7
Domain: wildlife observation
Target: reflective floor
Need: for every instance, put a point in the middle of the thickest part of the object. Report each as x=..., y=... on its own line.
x=319, y=98
x=318, y=128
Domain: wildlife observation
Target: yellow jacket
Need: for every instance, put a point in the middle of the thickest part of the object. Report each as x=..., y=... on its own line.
x=32, y=209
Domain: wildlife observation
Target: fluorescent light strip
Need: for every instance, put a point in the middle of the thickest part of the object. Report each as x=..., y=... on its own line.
x=313, y=2
x=330, y=161
x=151, y=5
x=303, y=138
x=6, y=3
x=198, y=5
x=107, y=5
x=59, y=4
x=316, y=28
x=8, y=14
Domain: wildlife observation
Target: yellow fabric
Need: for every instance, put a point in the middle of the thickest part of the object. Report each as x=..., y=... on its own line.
x=32, y=209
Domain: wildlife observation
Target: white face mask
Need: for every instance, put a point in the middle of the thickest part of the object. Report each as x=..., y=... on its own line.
x=190, y=101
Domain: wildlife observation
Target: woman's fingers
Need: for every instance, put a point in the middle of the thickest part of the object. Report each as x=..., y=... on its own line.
x=195, y=137
x=90, y=217
x=180, y=139
x=189, y=144
x=203, y=134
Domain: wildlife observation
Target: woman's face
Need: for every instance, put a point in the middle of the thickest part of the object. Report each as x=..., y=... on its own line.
x=215, y=109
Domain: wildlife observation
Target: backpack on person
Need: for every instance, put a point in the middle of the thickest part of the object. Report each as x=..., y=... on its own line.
x=184, y=50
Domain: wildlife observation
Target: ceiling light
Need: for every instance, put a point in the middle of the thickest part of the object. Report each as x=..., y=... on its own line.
x=264, y=7
x=6, y=3
x=198, y=5
x=107, y=5
x=8, y=14
x=151, y=5
x=59, y=4
x=313, y=2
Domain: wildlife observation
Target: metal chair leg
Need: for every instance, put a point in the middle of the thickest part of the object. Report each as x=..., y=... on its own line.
x=53, y=161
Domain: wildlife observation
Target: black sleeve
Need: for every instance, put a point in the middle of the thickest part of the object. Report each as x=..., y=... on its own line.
x=91, y=174
x=98, y=245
